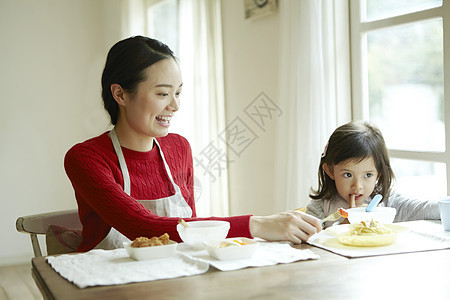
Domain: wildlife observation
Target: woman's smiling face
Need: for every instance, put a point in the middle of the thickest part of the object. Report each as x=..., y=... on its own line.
x=354, y=177
x=148, y=111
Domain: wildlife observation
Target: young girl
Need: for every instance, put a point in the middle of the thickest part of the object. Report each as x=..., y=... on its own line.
x=355, y=167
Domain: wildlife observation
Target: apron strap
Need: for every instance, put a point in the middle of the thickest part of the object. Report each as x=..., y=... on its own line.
x=176, y=187
x=122, y=162
x=124, y=168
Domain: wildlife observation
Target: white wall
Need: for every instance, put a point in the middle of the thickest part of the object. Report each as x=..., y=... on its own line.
x=251, y=53
x=52, y=55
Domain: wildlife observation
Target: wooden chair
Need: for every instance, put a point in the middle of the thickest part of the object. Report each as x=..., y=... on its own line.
x=39, y=224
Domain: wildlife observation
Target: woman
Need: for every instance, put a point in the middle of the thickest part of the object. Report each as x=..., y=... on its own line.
x=137, y=179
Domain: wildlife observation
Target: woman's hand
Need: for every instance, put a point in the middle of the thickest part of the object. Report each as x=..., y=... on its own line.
x=293, y=226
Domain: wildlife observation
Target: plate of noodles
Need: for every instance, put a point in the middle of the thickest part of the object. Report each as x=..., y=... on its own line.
x=366, y=233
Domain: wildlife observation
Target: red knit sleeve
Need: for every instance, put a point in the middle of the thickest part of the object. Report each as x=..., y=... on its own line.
x=239, y=224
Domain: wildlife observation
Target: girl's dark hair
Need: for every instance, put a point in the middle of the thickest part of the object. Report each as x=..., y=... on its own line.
x=355, y=141
x=125, y=65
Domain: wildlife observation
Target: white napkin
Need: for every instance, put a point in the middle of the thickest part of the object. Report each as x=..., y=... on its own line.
x=109, y=267
x=420, y=236
x=267, y=254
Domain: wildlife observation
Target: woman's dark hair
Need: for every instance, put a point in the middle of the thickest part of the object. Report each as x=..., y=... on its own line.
x=355, y=141
x=125, y=65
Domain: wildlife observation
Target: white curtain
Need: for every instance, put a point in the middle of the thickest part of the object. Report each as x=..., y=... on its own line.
x=201, y=59
x=314, y=92
x=133, y=17
x=201, y=117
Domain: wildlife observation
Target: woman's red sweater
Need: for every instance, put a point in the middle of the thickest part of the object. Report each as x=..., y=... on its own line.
x=93, y=168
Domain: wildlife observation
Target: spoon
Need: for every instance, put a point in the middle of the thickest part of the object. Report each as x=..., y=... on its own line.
x=183, y=222
x=374, y=202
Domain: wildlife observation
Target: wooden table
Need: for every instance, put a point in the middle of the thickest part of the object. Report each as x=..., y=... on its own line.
x=419, y=275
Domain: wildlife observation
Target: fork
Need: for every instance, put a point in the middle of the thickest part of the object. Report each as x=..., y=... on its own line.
x=336, y=215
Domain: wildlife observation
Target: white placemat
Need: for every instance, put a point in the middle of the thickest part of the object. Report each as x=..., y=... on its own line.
x=109, y=267
x=419, y=236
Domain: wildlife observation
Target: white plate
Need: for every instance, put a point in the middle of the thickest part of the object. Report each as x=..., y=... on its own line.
x=154, y=252
x=233, y=251
x=343, y=236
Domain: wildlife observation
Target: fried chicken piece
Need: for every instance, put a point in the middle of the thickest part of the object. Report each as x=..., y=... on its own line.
x=164, y=238
x=150, y=242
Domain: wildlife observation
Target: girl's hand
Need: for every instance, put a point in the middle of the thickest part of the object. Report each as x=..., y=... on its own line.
x=292, y=226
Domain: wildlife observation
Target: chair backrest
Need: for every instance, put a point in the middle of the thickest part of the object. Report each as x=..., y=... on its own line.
x=39, y=224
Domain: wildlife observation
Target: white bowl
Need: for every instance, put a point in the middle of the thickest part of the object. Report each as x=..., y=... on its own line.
x=203, y=231
x=244, y=249
x=384, y=215
x=154, y=252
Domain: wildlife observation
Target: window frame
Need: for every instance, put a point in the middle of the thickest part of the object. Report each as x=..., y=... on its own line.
x=359, y=79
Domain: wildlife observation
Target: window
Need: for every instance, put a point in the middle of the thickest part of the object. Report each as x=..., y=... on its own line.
x=398, y=84
x=163, y=18
x=162, y=23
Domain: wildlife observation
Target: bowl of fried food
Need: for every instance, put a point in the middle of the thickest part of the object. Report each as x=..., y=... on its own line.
x=232, y=248
x=195, y=233
x=144, y=248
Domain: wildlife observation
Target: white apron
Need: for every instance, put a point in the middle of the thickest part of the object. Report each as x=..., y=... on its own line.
x=172, y=206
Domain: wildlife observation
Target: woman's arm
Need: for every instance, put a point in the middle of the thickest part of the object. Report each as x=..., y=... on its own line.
x=293, y=226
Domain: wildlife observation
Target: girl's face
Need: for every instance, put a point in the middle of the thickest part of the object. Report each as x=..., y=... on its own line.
x=354, y=177
x=148, y=111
